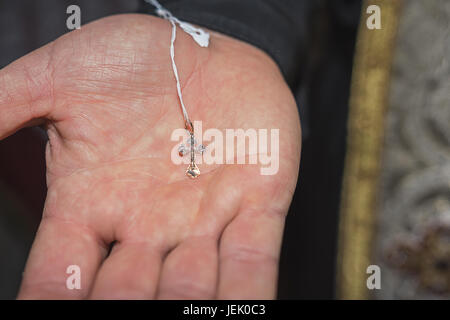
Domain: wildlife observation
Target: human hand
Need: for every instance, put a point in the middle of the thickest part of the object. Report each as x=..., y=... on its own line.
x=106, y=95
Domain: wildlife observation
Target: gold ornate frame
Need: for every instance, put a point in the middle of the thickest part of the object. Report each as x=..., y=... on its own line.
x=367, y=110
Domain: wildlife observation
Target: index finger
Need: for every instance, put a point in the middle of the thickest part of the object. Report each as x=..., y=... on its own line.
x=62, y=251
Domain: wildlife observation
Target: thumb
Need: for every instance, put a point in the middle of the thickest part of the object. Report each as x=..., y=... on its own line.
x=26, y=91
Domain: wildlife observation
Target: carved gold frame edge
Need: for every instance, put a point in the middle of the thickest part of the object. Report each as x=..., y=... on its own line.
x=365, y=138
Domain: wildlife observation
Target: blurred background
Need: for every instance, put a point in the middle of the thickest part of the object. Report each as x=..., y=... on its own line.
x=374, y=184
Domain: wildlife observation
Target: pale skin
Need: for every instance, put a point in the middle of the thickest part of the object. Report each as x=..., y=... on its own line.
x=106, y=96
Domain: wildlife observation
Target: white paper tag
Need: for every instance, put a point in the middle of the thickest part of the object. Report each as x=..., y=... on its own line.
x=199, y=35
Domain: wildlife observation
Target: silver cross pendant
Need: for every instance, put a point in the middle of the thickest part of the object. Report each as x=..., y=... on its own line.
x=191, y=147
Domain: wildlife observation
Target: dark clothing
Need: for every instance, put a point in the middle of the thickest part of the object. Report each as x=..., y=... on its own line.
x=278, y=27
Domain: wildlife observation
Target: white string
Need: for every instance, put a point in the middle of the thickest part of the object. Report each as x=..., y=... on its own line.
x=200, y=36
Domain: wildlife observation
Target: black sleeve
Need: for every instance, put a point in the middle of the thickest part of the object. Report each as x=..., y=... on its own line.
x=279, y=27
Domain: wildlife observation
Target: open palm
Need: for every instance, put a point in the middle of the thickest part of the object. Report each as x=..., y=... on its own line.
x=117, y=206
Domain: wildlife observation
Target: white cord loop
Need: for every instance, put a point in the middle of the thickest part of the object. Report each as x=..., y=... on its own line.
x=199, y=36
x=202, y=39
